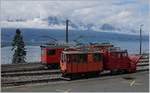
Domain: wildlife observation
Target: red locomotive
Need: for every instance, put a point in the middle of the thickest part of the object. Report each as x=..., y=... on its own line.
x=93, y=61
x=76, y=63
x=50, y=55
x=117, y=60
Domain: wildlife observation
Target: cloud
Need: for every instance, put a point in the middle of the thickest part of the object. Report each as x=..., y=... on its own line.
x=119, y=13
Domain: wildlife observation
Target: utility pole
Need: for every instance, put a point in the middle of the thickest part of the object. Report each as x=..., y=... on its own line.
x=67, y=21
x=141, y=39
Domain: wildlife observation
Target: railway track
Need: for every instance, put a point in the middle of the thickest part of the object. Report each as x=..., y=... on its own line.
x=41, y=72
x=23, y=76
x=23, y=80
x=30, y=73
x=6, y=68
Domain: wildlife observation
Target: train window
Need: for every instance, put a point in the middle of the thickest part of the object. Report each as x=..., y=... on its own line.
x=67, y=58
x=75, y=58
x=124, y=54
x=42, y=51
x=62, y=57
x=97, y=57
x=72, y=58
x=51, y=52
x=82, y=58
x=119, y=55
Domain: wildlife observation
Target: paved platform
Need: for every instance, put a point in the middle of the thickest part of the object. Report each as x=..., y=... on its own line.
x=136, y=82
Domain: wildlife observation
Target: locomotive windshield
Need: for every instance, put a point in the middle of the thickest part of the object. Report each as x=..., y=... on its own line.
x=63, y=57
x=82, y=58
x=97, y=57
x=51, y=52
x=42, y=51
x=77, y=58
x=74, y=58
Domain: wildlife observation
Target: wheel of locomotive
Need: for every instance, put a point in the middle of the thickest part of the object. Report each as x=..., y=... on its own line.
x=53, y=66
x=119, y=71
x=48, y=66
x=63, y=74
x=90, y=74
x=114, y=71
x=58, y=66
x=132, y=71
x=45, y=66
x=72, y=76
x=86, y=75
x=126, y=71
x=96, y=74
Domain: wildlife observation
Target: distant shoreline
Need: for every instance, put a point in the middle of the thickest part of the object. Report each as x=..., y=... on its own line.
x=49, y=29
x=10, y=46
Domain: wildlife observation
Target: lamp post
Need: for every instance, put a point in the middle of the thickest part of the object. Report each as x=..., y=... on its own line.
x=141, y=39
x=67, y=21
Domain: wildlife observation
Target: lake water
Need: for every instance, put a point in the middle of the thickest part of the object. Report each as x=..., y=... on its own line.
x=34, y=52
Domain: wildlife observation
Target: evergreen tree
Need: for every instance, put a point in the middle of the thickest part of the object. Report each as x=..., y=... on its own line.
x=18, y=47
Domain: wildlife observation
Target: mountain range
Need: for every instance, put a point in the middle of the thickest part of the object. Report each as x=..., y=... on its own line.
x=57, y=22
x=34, y=36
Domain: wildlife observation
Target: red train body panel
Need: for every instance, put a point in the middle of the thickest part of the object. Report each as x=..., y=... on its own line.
x=116, y=59
x=50, y=55
x=73, y=62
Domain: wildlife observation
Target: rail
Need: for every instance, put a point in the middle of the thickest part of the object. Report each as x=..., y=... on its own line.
x=36, y=73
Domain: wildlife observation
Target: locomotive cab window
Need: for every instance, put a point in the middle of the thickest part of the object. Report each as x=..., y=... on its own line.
x=124, y=55
x=42, y=52
x=63, y=57
x=73, y=58
x=97, y=57
x=119, y=55
x=77, y=58
x=51, y=52
x=82, y=58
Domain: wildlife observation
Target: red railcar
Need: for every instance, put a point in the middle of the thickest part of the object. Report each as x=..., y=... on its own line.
x=50, y=55
x=77, y=63
x=93, y=61
x=117, y=60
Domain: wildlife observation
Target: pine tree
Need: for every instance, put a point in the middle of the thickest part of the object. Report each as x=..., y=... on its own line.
x=18, y=47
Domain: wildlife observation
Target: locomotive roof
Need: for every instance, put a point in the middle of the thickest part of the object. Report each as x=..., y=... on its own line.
x=55, y=46
x=103, y=45
x=80, y=52
x=118, y=51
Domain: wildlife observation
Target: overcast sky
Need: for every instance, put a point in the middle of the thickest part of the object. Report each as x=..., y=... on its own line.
x=119, y=13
